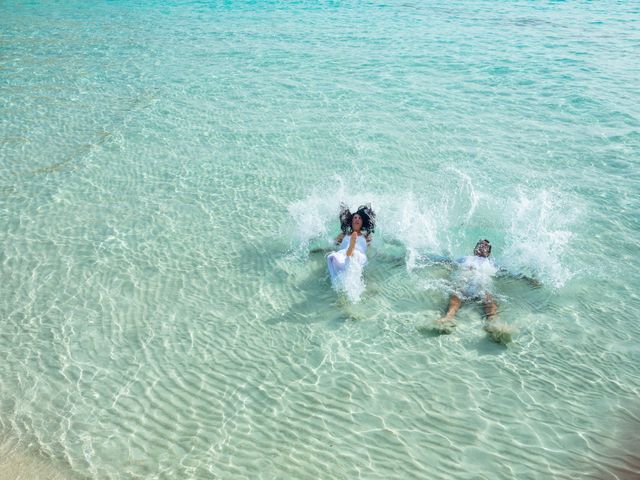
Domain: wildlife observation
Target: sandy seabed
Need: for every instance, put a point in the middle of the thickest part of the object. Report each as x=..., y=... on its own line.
x=19, y=465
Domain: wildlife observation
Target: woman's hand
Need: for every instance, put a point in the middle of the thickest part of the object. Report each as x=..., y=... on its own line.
x=352, y=243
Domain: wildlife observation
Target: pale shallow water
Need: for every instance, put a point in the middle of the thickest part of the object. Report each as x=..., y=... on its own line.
x=167, y=167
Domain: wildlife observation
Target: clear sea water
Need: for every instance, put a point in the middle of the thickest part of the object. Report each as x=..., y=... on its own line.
x=166, y=167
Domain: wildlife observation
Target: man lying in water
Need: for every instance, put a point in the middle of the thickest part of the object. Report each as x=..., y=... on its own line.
x=473, y=281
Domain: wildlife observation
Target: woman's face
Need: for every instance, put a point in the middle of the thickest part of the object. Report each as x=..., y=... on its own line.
x=483, y=249
x=356, y=222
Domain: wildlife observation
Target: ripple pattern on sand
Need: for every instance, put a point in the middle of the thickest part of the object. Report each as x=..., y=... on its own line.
x=165, y=170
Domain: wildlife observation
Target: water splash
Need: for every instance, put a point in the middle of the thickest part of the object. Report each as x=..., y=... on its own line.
x=530, y=233
x=309, y=218
x=467, y=193
x=538, y=236
x=413, y=224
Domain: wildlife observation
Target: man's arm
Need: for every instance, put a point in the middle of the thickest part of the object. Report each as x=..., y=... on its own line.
x=338, y=241
x=352, y=244
x=534, y=282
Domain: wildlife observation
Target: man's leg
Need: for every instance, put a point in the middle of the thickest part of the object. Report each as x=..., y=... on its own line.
x=490, y=307
x=446, y=323
x=454, y=306
x=499, y=333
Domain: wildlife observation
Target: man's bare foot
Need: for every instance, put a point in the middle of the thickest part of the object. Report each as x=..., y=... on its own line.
x=499, y=332
x=444, y=325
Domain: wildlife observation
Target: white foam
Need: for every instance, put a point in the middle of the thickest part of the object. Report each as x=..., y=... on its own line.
x=414, y=224
x=309, y=218
x=538, y=236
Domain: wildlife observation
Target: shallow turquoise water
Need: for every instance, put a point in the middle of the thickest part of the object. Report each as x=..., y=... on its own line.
x=166, y=167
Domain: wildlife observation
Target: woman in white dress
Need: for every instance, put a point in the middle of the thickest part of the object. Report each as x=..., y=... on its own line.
x=356, y=233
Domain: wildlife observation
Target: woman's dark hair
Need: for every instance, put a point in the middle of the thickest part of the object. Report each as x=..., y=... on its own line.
x=365, y=211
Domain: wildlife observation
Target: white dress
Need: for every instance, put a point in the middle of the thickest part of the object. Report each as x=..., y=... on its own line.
x=338, y=262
